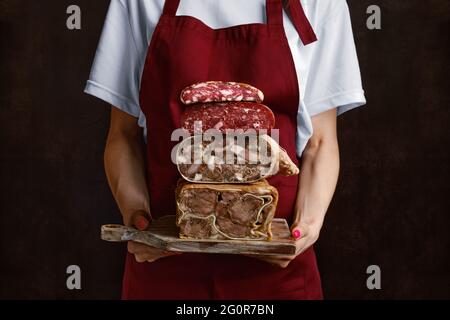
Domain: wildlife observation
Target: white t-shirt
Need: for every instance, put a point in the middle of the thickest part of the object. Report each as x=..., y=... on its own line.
x=328, y=70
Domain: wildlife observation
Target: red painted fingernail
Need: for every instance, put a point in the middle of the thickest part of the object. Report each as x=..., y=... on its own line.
x=141, y=223
x=296, y=233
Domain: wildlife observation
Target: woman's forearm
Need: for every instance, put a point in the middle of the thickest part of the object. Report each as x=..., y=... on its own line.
x=317, y=181
x=125, y=169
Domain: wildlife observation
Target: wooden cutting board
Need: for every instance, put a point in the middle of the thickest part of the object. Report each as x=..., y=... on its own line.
x=163, y=234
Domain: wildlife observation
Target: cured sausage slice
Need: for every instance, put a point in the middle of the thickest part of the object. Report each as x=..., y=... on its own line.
x=229, y=115
x=224, y=212
x=220, y=91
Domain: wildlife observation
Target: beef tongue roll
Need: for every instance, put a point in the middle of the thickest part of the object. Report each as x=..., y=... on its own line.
x=225, y=212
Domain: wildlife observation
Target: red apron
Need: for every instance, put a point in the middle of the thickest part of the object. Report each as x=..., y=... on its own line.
x=184, y=51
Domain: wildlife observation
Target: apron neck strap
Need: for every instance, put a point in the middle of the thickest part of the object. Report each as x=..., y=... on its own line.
x=297, y=15
x=301, y=23
x=171, y=7
x=274, y=11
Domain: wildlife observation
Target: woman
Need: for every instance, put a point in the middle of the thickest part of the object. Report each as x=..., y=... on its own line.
x=149, y=51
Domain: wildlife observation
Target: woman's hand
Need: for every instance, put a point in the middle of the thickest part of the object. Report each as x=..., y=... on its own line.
x=137, y=219
x=143, y=253
x=305, y=236
x=317, y=182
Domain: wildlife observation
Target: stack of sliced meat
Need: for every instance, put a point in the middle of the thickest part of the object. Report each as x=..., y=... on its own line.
x=225, y=105
x=225, y=194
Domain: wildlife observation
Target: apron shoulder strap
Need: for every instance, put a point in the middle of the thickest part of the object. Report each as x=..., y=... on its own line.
x=274, y=12
x=301, y=23
x=171, y=7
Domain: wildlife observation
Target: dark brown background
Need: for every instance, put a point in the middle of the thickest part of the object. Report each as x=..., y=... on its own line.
x=392, y=203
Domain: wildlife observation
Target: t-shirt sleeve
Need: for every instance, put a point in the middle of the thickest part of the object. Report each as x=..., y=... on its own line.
x=119, y=59
x=334, y=79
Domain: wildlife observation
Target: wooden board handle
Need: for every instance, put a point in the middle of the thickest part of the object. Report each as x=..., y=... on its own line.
x=117, y=233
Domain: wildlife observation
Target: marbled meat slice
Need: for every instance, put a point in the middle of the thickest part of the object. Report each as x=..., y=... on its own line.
x=229, y=115
x=219, y=91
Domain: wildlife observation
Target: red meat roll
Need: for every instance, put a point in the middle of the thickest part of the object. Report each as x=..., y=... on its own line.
x=229, y=115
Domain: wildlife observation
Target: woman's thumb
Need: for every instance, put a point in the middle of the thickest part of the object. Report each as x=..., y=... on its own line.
x=141, y=220
x=298, y=230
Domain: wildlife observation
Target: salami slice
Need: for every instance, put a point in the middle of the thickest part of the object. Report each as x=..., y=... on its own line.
x=228, y=115
x=219, y=91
